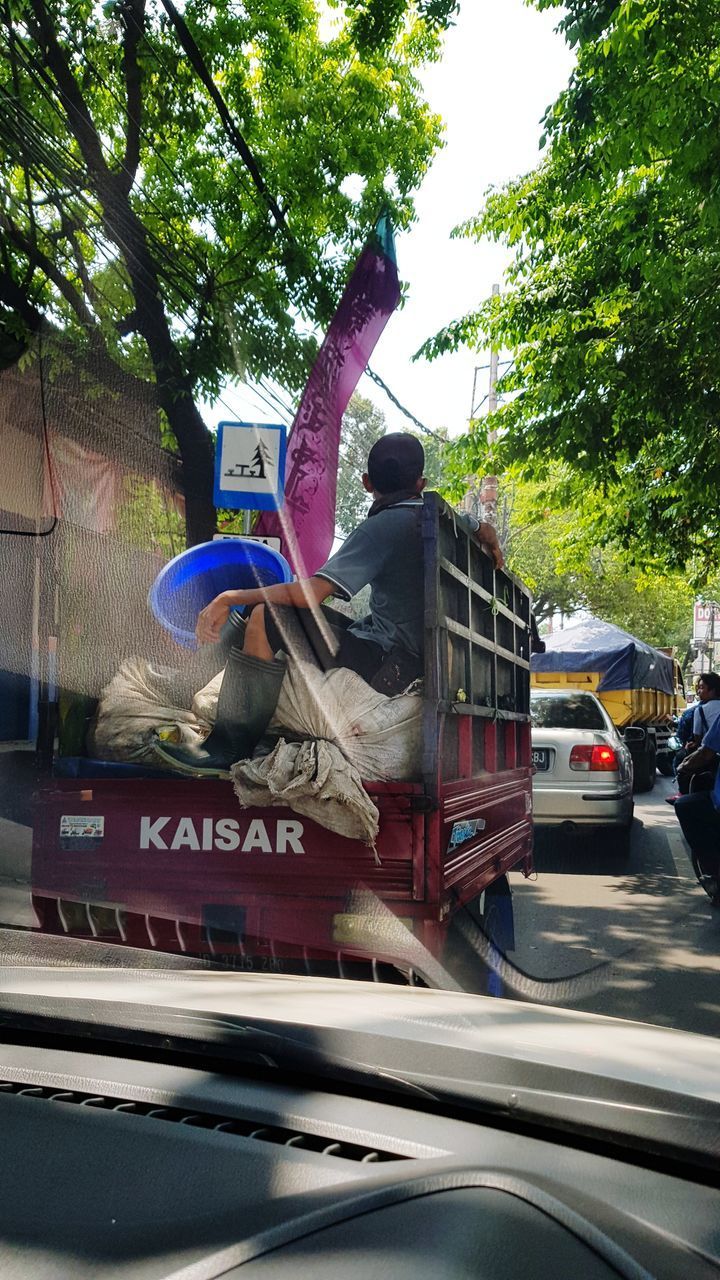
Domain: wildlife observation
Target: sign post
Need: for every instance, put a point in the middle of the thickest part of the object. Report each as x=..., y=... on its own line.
x=706, y=633
x=250, y=470
x=250, y=466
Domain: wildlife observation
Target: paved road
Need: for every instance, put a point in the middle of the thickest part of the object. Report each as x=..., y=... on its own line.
x=633, y=939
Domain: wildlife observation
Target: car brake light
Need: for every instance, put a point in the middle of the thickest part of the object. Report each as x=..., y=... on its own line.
x=597, y=759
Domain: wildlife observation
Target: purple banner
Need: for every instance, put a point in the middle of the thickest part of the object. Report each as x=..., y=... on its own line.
x=306, y=523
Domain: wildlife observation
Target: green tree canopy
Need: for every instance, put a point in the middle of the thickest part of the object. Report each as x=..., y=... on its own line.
x=191, y=246
x=612, y=306
x=553, y=552
x=363, y=424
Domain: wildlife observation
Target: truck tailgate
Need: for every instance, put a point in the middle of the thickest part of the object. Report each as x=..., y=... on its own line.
x=186, y=851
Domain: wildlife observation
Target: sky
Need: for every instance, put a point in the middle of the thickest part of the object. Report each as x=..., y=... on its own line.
x=503, y=65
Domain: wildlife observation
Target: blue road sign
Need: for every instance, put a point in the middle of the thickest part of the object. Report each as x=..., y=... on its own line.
x=250, y=466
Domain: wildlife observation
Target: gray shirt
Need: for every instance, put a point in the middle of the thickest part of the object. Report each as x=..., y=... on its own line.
x=385, y=551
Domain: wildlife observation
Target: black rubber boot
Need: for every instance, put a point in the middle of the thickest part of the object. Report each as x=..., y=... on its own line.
x=204, y=664
x=248, y=697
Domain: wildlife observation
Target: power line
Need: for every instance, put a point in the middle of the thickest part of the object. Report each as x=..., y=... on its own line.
x=70, y=172
x=142, y=132
x=169, y=267
x=428, y=431
x=171, y=75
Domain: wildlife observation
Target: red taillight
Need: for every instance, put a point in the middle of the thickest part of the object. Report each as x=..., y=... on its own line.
x=597, y=759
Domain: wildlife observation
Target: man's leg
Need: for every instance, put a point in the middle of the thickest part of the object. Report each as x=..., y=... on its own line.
x=700, y=823
x=683, y=783
x=246, y=704
x=205, y=663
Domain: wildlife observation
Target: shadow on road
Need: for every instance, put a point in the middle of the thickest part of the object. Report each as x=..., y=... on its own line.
x=628, y=935
x=594, y=852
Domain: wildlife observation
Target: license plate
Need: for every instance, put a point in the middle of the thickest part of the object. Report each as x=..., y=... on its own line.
x=541, y=758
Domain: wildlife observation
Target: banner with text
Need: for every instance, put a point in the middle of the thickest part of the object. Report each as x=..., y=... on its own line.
x=307, y=521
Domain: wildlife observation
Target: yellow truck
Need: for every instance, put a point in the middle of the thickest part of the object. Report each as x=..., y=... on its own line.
x=640, y=687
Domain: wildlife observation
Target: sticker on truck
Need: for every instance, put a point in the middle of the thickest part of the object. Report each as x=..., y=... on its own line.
x=81, y=827
x=463, y=831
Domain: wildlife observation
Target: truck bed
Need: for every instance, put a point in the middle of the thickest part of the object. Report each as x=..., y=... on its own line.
x=176, y=863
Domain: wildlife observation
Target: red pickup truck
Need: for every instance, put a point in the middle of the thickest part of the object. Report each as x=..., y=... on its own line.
x=175, y=863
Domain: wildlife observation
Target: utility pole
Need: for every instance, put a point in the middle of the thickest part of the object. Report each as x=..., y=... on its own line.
x=480, y=499
x=489, y=484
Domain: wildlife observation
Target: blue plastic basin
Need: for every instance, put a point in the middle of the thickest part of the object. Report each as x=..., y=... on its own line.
x=201, y=573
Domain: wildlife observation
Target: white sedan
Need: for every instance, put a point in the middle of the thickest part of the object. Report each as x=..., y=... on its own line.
x=583, y=769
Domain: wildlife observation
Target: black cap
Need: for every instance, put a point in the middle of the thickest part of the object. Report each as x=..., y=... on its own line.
x=396, y=462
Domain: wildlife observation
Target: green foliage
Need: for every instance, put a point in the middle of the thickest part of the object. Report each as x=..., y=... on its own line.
x=611, y=310
x=376, y=23
x=436, y=456
x=148, y=519
x=552, y=549
x=239, y=295
x=363, y=424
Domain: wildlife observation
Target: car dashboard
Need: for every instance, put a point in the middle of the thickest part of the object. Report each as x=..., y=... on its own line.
x=118, y=1166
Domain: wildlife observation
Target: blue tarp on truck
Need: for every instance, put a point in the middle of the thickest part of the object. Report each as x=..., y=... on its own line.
x=623, y=661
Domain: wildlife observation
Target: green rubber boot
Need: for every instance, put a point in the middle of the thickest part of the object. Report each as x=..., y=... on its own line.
x=248, y=697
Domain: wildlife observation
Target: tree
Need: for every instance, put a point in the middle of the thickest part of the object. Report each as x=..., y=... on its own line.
x=554, y=554
x=536, y=546
x=612, y=309
x=142, y=208
x=363, y=424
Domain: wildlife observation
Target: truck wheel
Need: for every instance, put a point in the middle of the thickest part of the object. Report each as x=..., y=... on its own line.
x=665, y=764
x=479, y=932
x=645, y=769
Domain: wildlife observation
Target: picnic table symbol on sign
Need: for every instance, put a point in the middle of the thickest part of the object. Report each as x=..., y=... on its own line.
x=250, y=465
x=257, y=469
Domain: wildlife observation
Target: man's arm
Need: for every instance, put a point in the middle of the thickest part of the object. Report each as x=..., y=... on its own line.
x=698, y=760
x=306, y=594
x=486, y=533
x=303, y=595
x=488, y=536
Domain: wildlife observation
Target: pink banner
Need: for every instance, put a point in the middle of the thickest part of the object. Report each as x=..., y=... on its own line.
x=306, y=524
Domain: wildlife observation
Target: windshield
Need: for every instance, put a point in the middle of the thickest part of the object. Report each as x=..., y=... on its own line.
x=565, y=711
x=342, y=431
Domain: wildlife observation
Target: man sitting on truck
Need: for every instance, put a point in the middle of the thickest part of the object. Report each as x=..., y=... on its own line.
x=385, y=648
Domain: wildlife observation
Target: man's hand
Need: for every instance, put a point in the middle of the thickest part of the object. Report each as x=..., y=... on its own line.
x=699, y=760
x=488, y=536
x=214, y=616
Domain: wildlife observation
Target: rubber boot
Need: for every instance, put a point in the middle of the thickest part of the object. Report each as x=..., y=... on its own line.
x=248, y=697
x=205, y=663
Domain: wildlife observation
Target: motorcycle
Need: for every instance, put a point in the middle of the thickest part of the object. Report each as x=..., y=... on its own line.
x=666, y=757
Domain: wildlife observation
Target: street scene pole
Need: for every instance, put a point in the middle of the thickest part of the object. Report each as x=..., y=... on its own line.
x=489, y=485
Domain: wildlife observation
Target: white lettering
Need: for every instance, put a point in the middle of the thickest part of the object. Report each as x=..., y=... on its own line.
x=186, y=835
x=288, y=836
x=150, y=833
x=257, y=837
x=226, y=834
